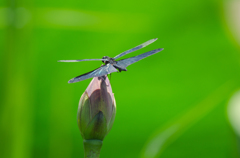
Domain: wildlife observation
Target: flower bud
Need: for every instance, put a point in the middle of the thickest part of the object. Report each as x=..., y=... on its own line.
x=97, y=109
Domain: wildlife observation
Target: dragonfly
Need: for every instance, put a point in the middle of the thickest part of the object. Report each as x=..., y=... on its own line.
x=111, y=65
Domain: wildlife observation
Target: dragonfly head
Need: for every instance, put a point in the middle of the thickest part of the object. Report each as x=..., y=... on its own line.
x=104, y=61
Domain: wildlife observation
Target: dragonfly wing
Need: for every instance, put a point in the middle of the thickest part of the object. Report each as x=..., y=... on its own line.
x=103, y=70
x=81, y=60
x=126, y=62
x=136, y=48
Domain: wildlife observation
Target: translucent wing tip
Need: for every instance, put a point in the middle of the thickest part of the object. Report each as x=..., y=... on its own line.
x=157, y=50
x=153, y=40
x=82, y=60
x=71, y=81
x=149, y=42
x=67, y=60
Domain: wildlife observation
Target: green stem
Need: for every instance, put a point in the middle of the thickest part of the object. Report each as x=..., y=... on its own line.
x=92, y=148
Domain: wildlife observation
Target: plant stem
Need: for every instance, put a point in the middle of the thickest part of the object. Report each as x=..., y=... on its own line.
x=92, y=148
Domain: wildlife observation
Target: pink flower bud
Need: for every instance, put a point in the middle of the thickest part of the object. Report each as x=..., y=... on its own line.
x=97, y=109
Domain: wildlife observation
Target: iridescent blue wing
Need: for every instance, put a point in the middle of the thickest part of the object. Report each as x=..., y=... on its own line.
x=81, y=60
x=126, y=62
x=136, y=48
x=103, y=70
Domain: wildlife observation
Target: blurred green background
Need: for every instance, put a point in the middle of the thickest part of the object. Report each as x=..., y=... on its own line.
x=169, y=105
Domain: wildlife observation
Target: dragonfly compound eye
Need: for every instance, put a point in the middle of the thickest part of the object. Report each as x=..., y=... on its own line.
x=104, y=61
